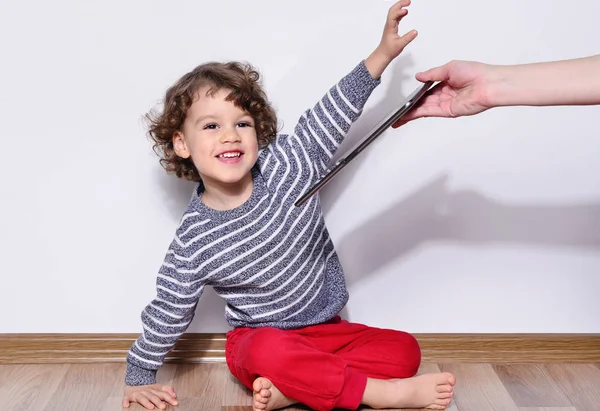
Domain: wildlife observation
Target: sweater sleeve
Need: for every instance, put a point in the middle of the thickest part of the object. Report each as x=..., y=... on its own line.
x=166, y=317
x=323, y=128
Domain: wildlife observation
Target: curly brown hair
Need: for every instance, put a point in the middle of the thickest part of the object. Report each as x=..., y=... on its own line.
x=246, y=92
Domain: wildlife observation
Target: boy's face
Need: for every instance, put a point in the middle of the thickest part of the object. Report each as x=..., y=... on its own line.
x=219, y=137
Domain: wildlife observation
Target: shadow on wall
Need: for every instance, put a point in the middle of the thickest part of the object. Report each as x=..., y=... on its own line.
x=434, y=213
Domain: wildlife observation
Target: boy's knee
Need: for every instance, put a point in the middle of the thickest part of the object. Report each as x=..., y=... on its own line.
x=413, y=354
x=407, y=351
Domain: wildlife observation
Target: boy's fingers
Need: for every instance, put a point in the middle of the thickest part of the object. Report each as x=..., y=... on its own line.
x=396, y=13
x=165, y=396
x=141, y=399
x=155, y=397
x=395, y=17
x=170, y=390
x=399, y=4
x=407, y=38
x=125, y=403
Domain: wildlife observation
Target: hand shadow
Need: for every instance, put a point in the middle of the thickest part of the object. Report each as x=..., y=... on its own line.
x=368, y=121
x=433, y=213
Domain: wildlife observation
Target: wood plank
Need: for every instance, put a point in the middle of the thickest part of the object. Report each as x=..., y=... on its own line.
x=509, y=348
x=195, y=403
x=580, y=383
x=204, y=383
x=86, y=387
x=118, y=388
x=114, y=404
x=166, y=374
x=547, y=409
x=479, y=388
x=530, y=385
x=235, y=394
x=185, y=404
x=99, y=387
x=29, y=387
x=200, y=348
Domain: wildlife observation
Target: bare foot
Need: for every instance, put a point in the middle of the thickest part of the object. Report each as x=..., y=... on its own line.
x=433, y=391
x=267, y=396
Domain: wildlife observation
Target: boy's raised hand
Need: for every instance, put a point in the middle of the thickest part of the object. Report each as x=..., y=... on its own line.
x=150, y=396
x=392, y=43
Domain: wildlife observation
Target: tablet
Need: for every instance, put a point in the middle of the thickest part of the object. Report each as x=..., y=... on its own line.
x=407, y=105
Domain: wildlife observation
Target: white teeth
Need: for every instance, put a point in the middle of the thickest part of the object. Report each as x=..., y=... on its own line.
x=230, y=155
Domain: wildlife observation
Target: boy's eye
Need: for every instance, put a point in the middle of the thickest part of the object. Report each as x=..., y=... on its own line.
x=244, y=124
x=210, y=126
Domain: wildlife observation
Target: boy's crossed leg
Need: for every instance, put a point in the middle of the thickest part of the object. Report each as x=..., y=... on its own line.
x=335, y=365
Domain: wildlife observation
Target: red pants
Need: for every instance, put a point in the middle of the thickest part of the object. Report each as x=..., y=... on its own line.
x=324, y=366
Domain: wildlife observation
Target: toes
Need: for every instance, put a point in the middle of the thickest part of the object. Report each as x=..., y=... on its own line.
x=259, y=406
x=265, y=393
x=444, y=395
x=260, y=399
x=442, y=401
x=436, y=407
x=445, y=378
x=451, y=378
x=257, y=385
x=444, y=388
x=261, y=384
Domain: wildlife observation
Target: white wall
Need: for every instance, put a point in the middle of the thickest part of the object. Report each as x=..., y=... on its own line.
x=481, y=224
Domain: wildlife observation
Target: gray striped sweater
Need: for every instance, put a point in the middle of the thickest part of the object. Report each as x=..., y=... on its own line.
x=272, y=262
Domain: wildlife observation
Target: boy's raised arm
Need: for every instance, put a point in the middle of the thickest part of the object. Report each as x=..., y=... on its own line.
x=323, y=128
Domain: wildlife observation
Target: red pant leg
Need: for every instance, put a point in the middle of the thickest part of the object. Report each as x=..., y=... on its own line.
x=381, y=353
x=300, y=370
x=376, y=352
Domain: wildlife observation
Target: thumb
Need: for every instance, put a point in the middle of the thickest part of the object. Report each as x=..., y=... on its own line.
x=441, y=73
x=406, y=39
x=125, y=402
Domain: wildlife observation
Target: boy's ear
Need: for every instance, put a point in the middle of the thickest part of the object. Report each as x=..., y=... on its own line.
x=180, y=146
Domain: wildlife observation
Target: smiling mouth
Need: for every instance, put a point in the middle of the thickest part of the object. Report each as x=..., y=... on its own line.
x=235, y=154
x=230, y=157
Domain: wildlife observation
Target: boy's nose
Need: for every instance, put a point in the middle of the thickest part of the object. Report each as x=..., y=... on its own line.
x=230, y=136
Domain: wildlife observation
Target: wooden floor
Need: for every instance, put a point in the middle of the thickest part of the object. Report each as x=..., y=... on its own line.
x=480, y=387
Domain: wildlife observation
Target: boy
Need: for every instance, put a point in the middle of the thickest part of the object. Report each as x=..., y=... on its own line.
x=272, y=262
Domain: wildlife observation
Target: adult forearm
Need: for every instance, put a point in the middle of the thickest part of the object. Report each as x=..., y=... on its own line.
x=566, y=82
